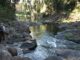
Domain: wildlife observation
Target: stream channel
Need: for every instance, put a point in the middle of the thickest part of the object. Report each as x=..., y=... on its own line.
x=46, y=41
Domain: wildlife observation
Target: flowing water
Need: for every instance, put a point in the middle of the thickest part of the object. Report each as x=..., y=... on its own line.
x=44, y=35
x=47, y=43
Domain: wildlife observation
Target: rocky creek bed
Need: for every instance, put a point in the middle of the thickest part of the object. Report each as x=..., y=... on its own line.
x=20, y=44
x=18, y=33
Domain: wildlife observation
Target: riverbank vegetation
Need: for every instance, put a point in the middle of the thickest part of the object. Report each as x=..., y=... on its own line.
x=62, y=10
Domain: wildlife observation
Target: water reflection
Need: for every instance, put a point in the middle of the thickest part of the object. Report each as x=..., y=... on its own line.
x=37, y=30
x=40, y=29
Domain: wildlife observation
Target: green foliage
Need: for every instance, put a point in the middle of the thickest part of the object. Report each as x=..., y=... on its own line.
x=64, y=5
x=7, y=9
x=7, y=12
x=58, y=5
x=3, y=2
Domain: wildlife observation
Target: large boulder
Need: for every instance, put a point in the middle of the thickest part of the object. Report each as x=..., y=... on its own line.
x=13, y=51
x=28, y=45
x=5, y=55
x=72, y=25
x=18, y=32
x=70, y=31
x=71, y=35
x=68, y=54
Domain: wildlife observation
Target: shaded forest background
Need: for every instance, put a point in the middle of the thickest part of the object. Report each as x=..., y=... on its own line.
x=62, y=10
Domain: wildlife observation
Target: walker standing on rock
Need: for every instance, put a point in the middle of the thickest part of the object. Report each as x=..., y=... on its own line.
x=2, y=33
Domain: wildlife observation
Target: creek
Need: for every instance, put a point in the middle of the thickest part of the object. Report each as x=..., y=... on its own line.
x=46, y=42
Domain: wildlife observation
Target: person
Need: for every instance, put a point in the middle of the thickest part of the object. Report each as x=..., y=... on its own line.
x=2, y=32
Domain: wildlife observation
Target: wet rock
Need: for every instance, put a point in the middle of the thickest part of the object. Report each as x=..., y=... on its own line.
x=17, y=33
x=72, y=58
x=10, y=42
x=63, y=26
x=54, y=58
x=68, y=54
x=2, y=46
x=71, y=35
x=26, y=36
x=20, y=58
x=29, y=45
x=5, y=55
x=70, y=31
x=73, y=25
x=19, y=26
x=13, y=51
x=19, y=37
